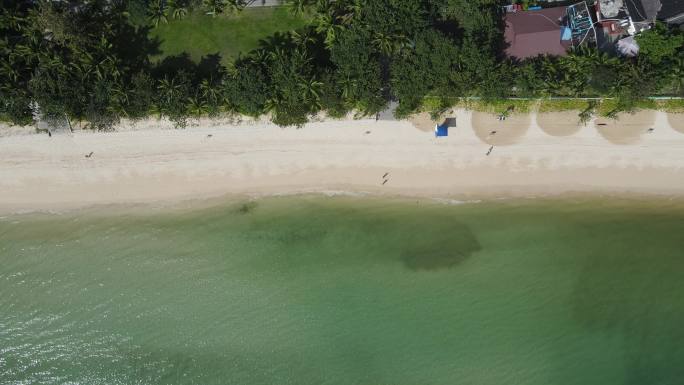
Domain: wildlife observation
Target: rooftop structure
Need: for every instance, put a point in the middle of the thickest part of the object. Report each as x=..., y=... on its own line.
x=581, y=24
x=532, y=33
x=671, y=11
x=642, y=12
x=604, y=24
x=618, y=20
x=547, y=31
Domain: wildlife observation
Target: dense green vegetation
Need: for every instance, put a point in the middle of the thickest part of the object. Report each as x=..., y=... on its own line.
x=90, y=61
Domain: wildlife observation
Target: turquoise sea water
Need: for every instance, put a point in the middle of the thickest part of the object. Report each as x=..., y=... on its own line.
x=314, y=290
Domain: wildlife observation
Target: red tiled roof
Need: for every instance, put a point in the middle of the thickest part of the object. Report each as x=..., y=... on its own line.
x=532, y=33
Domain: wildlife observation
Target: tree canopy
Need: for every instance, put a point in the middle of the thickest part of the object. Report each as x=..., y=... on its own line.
x=89, y=61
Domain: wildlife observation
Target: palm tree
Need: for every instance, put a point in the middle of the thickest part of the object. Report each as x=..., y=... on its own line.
x=179, y=9
x=167, y=88
x=83, y=71
x=119, y=99
x=260, y=57
x=157, y=12
x=325, y=24
x=12, y=19
x=25, y=52
x=52, y=64
x=351, y=12
x=276, y=41
x=383, y=43
x=97, y=63
x=273, y=105
x=107, y=63
x=311, y=91
x=9, y=68
x=348, y=86
x=217, y=7
x=588, y=113
x=303, y=37
x=211, y=92
x=156, y=109
x=214, y=7
x=197, y=107
x=298, y=7
x=167, y=93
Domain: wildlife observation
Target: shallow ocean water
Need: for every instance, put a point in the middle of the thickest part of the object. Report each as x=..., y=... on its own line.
x=315, y=290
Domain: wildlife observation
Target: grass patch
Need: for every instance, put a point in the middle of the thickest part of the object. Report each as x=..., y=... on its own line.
x=435, y=105
x=498, y=106
x=200, y=35
x=646, y=104
x=607, y=106
x=673, y=105
x=553, y=105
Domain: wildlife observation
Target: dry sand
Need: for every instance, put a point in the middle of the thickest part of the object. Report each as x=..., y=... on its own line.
x=563, y=123
x=628, y=128
x=497, y=132
x=676, y=121
x=150, y=162
x=423, y=122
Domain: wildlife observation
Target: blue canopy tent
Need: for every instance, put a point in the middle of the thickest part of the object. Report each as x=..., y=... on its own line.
x=441, y=130
x=566, y=33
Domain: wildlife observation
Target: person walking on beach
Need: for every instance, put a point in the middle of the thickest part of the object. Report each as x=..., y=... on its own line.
x=490, y=150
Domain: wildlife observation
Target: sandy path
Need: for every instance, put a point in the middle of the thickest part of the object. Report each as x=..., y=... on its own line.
x=162, y=165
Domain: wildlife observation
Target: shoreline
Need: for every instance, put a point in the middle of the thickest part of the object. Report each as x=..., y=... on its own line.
x=149, y=164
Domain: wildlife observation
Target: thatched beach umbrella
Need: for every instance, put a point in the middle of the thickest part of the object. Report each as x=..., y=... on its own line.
x=627, y=128
x=497, y=132
x=676, y=121
x=561, y=123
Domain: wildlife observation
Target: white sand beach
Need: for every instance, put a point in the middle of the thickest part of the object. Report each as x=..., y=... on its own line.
x=151, y=162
